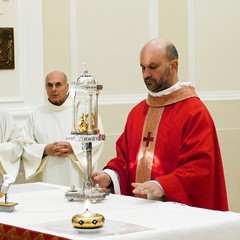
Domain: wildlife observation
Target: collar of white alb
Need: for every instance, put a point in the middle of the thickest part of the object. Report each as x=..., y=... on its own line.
x=171, y=89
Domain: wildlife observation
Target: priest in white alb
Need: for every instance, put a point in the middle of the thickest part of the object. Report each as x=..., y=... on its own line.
x=47, y=156
x=10, y=145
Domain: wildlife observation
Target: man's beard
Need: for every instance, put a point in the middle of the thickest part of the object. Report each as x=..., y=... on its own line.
x=160, y=85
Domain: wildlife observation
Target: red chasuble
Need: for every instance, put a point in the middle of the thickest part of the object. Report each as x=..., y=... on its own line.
x=172, y=139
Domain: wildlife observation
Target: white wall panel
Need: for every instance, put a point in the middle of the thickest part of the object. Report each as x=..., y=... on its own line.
x=23, y=86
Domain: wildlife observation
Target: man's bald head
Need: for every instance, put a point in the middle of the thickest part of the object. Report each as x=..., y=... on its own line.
x=162, y=46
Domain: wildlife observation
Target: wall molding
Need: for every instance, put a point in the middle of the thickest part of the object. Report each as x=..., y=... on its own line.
x=12, y=99
x=136, y=98
x=22, y=114
x=219, y=96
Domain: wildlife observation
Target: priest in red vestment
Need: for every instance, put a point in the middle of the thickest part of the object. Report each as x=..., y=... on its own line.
x=169, y=149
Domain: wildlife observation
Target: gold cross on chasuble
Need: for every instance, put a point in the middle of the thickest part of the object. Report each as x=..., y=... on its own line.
x=148, y=139
x=149, y=136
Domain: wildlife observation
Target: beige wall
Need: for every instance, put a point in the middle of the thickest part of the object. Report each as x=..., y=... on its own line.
x=173, y=24
x=217, y=38
x=57, y=36
x=226, y=116
x=108, y=35
x=109, y=40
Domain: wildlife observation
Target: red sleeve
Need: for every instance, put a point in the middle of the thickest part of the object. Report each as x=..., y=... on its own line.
x=127, y=148
x=119, y=164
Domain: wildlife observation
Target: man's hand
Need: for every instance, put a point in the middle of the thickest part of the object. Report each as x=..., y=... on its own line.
x=101, y=178
x=60, y=149
x=148, y=187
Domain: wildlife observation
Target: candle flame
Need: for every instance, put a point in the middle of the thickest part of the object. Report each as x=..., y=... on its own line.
x=87, y=204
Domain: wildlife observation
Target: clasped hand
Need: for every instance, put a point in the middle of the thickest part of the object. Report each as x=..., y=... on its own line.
x=60, y=149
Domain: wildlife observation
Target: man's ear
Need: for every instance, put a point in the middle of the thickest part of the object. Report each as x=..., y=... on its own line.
x=174, y=64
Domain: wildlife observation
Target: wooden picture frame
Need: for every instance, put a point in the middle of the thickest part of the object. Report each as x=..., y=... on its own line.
x=6, y=48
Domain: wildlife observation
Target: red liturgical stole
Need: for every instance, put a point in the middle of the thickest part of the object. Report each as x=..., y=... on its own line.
x=149, y=135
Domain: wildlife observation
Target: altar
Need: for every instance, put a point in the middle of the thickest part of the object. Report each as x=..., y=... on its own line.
x=43, y=209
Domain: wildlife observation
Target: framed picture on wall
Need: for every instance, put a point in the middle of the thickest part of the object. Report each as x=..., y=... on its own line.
x=6, y=48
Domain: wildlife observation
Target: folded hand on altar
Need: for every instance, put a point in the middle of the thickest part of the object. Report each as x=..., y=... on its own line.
x=148, y=187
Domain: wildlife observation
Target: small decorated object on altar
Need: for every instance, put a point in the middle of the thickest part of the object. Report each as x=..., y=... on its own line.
x=88, y=220
x=4, y=187
x=85, y=91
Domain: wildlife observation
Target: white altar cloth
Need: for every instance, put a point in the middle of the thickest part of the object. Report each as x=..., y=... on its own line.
x=44, y=208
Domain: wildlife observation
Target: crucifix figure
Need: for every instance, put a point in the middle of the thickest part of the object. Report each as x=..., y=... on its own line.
x=148, y=139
